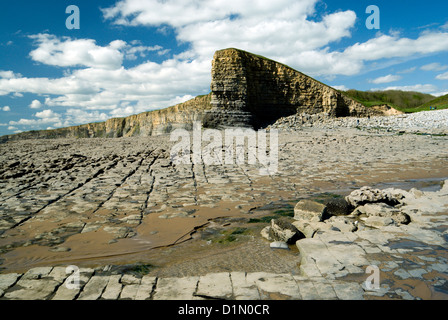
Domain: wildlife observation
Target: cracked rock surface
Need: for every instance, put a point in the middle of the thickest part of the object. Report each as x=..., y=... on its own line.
x=114, y=202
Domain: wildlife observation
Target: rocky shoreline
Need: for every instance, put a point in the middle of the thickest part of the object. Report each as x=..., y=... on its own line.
x=114, y=202
x=428, y=122
x=333, y=263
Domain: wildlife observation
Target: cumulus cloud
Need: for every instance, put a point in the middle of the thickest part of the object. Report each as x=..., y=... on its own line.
x=9, y=74
x=96, y=84
x=66, y=52
x=386, y=79
x=36, y=104
x=43, y=118
x=282, y=30
x=74, y=116
x=6, y=108
x=179, y=13
x=443, y=76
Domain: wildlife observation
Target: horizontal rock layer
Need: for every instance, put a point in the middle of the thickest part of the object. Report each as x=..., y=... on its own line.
x=263, y=90
x=151, y=123
x=247, y=91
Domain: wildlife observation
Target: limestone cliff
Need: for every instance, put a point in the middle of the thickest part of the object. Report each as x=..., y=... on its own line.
x=247, y=90
x=145, y=124
x=250, y=90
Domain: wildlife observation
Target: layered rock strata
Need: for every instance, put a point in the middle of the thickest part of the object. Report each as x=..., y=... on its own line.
x=146, y=124
x=253, y=91
x=247, y=90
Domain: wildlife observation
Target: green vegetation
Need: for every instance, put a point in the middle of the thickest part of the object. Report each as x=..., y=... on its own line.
x=138, y=269
x=439, y=103
x=324, y=197
x=405, y=101
x=230, y=236
x=266, y=219
x=287, y=211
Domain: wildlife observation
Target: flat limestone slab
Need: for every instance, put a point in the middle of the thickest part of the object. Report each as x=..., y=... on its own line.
x=32, y=290
x=113, y=288
x=242, y=288
x=146, y=288
x=216, y=286
x=94, y=288
x=176, y=289
x=275, y=286
x=7, y=280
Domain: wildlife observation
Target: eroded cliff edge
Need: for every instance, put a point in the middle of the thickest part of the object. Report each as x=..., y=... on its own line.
x=247, y=90
x=253, y=91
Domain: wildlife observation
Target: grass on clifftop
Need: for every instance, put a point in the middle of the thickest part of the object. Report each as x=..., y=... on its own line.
x=405, y=101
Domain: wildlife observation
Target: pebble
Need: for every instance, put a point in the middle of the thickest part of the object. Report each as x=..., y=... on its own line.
x=435, y=122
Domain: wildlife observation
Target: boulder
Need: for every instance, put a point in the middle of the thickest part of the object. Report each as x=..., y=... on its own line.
x=283, y=230
x=377, y=222
x=337, y=207
x=385, y=211
x=309, y=229
x=310, y=211
x=342, y=224
x=370, y=195
x=416, y=193
x=266, y=233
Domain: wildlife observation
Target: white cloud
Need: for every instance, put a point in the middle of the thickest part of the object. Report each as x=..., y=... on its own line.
x=36, y=104
x=9, y=74
x=386, y=79
x=385, y=46
x=281, y=30
x=425, y=88
x=44, y=117
x=67, y=52
x=434, y=67
x=46, y=114
x=410, y=70
x=46, y=86
x=443, y=76
x=95, y=84
x=75, y=116
x=180, y=13
x=6, y=108
x=73, y=53
x=341, y=88
x=12, y=128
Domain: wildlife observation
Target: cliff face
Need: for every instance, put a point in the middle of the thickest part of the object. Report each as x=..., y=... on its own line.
x=145, y=124
x=247, y=91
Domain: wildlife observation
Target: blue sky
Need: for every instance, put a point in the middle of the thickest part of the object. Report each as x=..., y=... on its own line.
x=131, y=56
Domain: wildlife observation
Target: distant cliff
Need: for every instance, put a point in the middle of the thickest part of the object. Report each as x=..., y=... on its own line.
x=247, y=90
x=145, y=124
